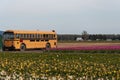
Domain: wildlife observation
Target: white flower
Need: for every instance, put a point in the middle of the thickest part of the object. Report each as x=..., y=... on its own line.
x=20, y=78
x=54, y=78
x=44, y=78
x=7, y=78
x=70, y=77
x=3, y=72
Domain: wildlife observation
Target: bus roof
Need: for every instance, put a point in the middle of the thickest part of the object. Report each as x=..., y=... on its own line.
x=31, y=32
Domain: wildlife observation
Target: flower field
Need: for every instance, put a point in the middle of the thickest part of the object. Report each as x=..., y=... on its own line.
x=59, y=66
x=96, y=48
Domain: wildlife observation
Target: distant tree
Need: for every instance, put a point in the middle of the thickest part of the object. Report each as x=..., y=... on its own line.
x=85, y=35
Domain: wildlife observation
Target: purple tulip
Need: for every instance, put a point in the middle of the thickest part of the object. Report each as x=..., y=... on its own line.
x=103, y=47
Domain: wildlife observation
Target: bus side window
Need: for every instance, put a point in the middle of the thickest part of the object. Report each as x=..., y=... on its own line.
x=17, y=35
x=21, y=35
x=27, y=35
x=35, y=36
x=46, y=36
x=43, y=35
x=38, y=35
x=50, y=36
x=30, y=35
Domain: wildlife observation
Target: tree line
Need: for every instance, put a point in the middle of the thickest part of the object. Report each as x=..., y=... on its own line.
x=73, y=37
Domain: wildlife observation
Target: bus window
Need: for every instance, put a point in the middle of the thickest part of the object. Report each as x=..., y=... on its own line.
x=38, y=36
x=27, y=35
x=21, y=36
x=8, y=35
x=24, y=35
x=43, y=35
x=35, y=35
x=50, y=36
x=46, y=36
x=32, y=35
x=18, y=36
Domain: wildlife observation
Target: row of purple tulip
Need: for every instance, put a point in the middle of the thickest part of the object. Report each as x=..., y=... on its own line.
x=105, y=47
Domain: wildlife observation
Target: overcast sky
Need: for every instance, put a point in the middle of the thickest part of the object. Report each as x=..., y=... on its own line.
x=64, y=16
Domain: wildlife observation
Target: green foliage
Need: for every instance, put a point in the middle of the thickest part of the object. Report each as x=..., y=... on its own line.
x=49, y=64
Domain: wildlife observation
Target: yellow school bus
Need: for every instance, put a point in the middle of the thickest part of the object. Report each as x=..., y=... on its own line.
x=22, y=40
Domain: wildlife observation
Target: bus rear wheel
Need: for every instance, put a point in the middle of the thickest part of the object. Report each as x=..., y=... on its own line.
x=22, y=47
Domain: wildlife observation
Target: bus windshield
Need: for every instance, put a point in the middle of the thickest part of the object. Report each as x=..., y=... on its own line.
x=8, y=35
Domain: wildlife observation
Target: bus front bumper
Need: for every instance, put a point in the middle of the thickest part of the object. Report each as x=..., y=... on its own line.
x=8, y=48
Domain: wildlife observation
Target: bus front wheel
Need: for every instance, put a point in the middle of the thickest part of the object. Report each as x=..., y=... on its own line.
x=22, y=47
